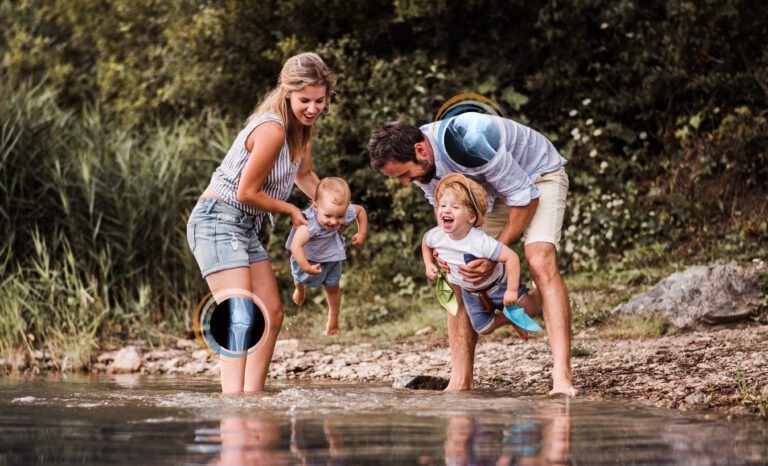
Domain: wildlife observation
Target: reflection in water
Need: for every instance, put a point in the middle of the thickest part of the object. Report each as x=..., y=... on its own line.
x=165, y=421
x=542, y=440
x=251, y=441
x=545, y=440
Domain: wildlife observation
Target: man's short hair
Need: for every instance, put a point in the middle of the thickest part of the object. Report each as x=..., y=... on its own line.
x=393, y=142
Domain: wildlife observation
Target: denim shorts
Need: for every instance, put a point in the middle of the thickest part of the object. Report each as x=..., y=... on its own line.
x=223, y=237
x=479, y=318
x=329, y=276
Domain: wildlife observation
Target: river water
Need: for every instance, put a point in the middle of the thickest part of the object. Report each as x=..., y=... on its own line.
x=169, y=420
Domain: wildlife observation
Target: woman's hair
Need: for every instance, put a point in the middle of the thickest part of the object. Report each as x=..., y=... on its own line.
x=336, y=187
x=466, y=191
x=299, y=71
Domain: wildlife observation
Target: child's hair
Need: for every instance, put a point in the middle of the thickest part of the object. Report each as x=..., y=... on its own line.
x=299, y=71
x=335, y=187
x=466, y=191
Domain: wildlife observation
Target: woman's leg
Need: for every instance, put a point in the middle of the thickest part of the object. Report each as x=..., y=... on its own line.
x=264, y=286
x=224, y=285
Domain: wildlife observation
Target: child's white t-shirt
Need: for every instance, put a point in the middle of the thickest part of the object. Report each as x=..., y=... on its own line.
x=476, y=245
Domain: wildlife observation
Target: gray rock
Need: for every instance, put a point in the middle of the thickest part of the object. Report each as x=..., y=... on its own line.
x=127, y=360
x=286, y=346
x=420, y=382
x=698, y=295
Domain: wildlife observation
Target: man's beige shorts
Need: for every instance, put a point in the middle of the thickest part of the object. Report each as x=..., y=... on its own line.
x=547, y=223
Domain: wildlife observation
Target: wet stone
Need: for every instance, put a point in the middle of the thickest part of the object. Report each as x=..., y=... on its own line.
x=420, y=382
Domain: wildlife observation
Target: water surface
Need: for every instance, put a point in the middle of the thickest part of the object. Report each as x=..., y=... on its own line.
x=168, y=420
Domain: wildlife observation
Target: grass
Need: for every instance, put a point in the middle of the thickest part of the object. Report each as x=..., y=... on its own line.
x=752, y=396
x=637, y=327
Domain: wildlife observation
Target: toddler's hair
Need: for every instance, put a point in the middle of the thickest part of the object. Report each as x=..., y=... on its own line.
x=466, y=191
x=335, y=187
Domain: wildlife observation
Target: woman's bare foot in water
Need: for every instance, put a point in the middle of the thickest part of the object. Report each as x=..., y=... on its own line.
x=562, y=385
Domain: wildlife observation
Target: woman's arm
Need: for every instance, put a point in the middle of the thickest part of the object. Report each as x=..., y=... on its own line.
x=264, y=143
x=306, y=179
x=512, y=268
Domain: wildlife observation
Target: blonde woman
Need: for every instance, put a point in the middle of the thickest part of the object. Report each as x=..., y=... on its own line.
x=269, y=155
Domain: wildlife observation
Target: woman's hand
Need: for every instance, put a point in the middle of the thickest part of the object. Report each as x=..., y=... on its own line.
x=478, y=270
x=297, y=217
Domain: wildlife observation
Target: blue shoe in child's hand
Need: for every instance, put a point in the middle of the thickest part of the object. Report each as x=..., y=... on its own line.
x=517, y=315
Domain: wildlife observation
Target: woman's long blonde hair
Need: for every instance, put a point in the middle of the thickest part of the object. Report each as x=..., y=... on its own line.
x=299, y=71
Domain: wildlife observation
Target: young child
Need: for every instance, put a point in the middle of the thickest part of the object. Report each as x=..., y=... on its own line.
x=318, y=248
x=461, y=205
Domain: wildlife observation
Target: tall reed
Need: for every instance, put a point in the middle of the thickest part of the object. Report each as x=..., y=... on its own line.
x=92, y=237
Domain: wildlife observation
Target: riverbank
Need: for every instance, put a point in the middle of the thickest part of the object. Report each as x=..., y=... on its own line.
x=723, y=370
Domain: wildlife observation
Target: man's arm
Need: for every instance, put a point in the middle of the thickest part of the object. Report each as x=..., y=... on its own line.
x=517, y=222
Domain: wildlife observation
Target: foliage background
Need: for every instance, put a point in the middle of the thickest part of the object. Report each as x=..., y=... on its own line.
x=115, y=113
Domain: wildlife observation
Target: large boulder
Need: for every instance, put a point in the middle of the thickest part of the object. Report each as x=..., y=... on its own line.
x=699, y=295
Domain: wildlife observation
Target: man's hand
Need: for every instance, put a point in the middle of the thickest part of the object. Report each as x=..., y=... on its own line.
x=510, y=297
x=313, y=269
x=477, y=270
x=432, y=271
x=441, y=263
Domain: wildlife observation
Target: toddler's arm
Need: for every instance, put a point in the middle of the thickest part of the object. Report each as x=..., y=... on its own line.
x=362, y=226
x=512, y=268
x=300, y=238
x=429, y=265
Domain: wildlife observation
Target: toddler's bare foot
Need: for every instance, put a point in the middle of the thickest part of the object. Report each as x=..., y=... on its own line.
x=298, y=294
x=521, y=331
x=563, y=387
x=332, y=327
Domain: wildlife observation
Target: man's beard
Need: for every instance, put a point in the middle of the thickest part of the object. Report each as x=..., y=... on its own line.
x=429, y=166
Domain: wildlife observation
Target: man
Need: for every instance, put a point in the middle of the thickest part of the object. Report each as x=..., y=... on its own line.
x=527, y=187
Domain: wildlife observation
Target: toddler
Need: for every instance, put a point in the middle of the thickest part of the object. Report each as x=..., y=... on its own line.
x=318, y=248
x=461, y=205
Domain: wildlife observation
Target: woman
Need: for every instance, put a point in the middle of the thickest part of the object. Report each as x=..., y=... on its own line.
x=269, y=155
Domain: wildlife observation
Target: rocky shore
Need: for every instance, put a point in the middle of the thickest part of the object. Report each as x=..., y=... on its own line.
x=720, y=370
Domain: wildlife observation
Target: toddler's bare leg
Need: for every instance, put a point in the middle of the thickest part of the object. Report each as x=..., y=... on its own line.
x=299, y=293
x=333, y=295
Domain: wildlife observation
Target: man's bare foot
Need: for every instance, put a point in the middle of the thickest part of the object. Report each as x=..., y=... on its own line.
x=298, y=294
x=458, y=386
x=332, y=327
x=564, y=387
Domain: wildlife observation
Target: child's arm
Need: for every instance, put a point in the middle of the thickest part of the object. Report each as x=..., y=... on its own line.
x=512, y=268
x=362, y=226
x=300, y=238
x=429, y=265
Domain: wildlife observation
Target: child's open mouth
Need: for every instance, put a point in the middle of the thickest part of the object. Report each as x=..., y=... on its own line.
x=447, y=221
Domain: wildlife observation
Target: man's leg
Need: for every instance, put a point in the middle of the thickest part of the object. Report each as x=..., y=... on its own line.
x=542, y=260
x=462, y=340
